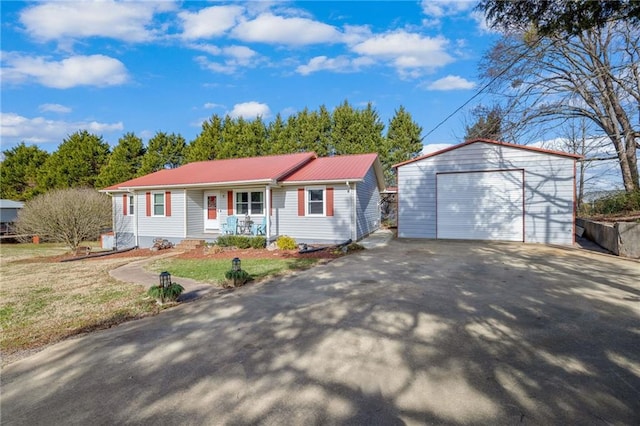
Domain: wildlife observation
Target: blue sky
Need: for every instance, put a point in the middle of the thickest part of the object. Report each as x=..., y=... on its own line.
x=143, y=67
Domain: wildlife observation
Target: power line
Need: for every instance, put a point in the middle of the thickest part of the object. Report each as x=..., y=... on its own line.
x=483, y=88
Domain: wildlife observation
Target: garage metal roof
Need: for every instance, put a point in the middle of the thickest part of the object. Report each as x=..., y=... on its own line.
x=490, y=141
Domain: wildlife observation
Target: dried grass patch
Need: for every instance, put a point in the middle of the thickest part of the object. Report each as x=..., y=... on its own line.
x=42, y=303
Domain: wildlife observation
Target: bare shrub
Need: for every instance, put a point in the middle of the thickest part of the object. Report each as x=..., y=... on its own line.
x=68, y=216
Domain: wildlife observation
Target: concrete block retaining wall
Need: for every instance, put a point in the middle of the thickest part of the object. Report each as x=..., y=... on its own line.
x=621, y=238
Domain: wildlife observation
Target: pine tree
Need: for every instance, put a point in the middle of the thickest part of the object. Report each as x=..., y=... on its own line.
x=278, y=138
x=205, y=146
x=488, y=124
x=19, y=171
x=403, y=142
x=124, y=162
x=356, y=131
x=76, y=163
x=163, y=151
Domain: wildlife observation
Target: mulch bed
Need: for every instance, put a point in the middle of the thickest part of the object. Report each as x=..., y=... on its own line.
x=230, y=253
x=199, y=253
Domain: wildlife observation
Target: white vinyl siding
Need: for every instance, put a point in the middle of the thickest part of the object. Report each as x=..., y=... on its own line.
x=162, y=226
x=367, y=205
x=548, y=189
x=480, y=205
x=312, y=229
x=122, y=223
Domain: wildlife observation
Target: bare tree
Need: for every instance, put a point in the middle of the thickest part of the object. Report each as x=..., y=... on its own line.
x=69, y=216
x=598, y=163
x=546, y=81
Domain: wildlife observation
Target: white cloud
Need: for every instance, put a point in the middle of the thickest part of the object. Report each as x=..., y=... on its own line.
x=338, y=64
x=16, y=128
x=451, y=82
x=128, y=21
x=60, y=109
x=211, y=105
x=269, y=28
x=250, y=110
x=234, y=57
x=354, y=34
x=208, y=48
x=442, y=8
x=240, y=53
x=209, y=22
x=409, y=53
x=94, y=70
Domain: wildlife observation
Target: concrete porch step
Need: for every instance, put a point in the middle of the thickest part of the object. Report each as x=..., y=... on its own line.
x=190, y=244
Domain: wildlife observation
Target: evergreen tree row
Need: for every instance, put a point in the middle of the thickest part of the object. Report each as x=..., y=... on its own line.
x=85, y=160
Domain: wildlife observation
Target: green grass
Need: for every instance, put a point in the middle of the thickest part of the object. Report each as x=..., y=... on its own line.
x=213, y=270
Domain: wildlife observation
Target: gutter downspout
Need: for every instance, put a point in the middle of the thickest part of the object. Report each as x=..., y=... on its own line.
x=184, y=223
x=267, y=213
x=354, y=222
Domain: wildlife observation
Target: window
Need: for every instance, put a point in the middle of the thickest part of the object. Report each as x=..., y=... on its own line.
x=131, y=204
x=251, y=203
x=315, y=202
x=158, y=204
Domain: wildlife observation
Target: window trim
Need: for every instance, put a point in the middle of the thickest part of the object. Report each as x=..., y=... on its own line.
x=307, y=200
x=153, y=204
x=249, y=210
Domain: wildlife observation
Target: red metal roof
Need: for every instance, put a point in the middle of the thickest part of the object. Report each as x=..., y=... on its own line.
x=231, y=170
x=343, y=167
x=490, y=141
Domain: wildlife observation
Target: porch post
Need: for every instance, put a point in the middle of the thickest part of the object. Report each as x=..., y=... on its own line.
x=267, y=213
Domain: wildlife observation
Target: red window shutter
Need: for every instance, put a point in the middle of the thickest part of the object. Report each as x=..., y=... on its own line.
x=230, y=203
x=271, y=203
x=329, y=201
x=125, y=203
x=167, y=203
x=300, y=201
x=148, y=204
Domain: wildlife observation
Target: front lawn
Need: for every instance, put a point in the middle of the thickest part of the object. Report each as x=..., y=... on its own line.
x=213, y=270
x=42, y=302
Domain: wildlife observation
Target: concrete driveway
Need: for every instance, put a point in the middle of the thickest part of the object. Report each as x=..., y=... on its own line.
x=419, y=332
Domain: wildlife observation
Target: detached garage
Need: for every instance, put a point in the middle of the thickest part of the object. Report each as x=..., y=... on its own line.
x=488, y=190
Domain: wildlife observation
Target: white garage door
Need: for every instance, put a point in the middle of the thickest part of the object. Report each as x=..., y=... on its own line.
x=481, y=205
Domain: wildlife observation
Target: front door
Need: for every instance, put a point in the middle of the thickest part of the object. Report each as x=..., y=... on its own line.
x=211, y=211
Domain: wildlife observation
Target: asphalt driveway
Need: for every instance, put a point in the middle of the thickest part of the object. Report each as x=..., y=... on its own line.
x=418, y=332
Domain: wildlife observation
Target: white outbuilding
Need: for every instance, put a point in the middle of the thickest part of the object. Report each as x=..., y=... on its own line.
x=488, y=190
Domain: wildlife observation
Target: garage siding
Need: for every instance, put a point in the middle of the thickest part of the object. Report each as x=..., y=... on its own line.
x=548, y=192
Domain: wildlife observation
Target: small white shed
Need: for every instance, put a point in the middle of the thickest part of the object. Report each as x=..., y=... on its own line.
x=8, y=214
x=488, y=190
